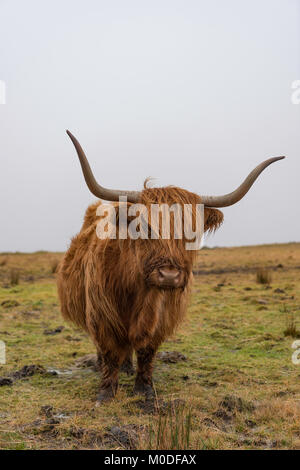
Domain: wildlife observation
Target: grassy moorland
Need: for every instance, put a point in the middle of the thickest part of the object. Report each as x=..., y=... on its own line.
x=226, y=381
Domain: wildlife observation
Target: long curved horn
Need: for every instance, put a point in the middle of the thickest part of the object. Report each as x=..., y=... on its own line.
x=231, y=198
x=94, y=187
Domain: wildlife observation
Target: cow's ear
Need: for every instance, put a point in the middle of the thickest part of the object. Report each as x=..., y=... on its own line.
x=213, y=218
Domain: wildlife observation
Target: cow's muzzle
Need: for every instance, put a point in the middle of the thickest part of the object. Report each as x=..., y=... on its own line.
x=167, y=277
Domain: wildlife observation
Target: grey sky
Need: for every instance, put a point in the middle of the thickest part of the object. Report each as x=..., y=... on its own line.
x=192, y=92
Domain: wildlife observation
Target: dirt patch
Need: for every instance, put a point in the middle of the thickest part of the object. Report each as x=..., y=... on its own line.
x=30, y=314
x=261, y=302
x=209, y=384
x=258, y=443
x=6, y=381
x=26, y=371
x=88, y=438
x=49, y=412
x=47, y=424
x=279, y=291
x=230, y=405
x=72, y=338
x=210, y=423
x=223, y=415
x=9, y=303
x=126, y=436
x=233, y=403
x=171, y=357
x=55, y=331
x=158, y=406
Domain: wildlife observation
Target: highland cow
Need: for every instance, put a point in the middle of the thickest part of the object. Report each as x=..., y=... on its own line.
x=130, y=295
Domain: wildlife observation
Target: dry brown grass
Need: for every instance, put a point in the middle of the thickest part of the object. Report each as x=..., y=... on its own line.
x=287, y=410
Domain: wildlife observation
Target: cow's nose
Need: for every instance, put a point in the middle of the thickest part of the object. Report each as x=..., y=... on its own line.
x=169, y=276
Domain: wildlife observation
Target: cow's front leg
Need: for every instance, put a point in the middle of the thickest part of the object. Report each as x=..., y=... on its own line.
x=110, y=365
x=143, y=381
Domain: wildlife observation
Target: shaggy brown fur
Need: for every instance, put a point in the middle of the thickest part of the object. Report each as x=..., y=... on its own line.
x=103, y=288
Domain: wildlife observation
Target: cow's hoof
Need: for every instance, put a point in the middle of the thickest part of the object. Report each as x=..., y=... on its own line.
x=105, y=395
x=143, y=389
x=127, y=367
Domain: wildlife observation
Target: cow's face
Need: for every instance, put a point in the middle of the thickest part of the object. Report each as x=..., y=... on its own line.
x=167, y=263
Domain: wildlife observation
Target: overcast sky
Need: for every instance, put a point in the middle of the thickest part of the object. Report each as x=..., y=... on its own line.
x=195, y=93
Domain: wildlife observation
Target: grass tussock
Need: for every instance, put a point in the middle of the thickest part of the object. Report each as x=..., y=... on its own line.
x=263, y=276
x=14, y=277
x=291, y=327
x=171, y=430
